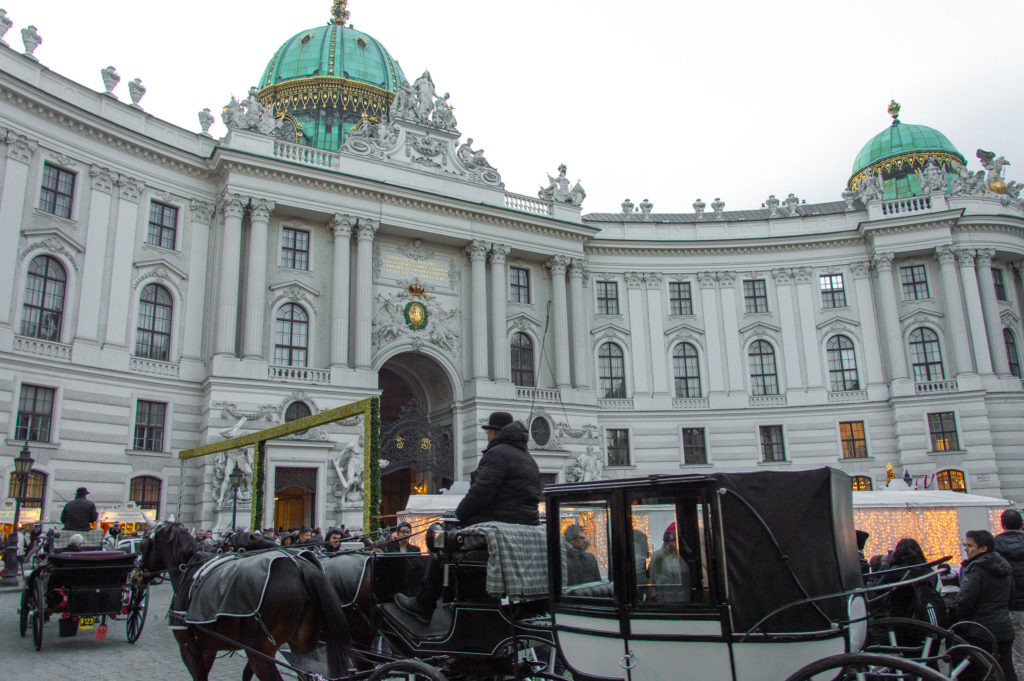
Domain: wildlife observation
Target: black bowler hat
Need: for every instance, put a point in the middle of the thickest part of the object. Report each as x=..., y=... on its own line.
x=498, y=420
x=81, y=492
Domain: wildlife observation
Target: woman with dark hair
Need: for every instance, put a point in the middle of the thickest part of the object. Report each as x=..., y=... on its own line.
x=286, y=540
x=921, y=600
x=333, y=542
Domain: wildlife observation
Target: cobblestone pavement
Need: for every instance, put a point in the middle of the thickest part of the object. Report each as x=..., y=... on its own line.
x=154, y=657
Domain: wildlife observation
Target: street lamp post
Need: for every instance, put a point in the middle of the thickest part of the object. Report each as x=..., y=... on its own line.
x=236, y=479
x=22, y=467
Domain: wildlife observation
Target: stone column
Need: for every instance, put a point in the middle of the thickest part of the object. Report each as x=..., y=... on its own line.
x=581, y=356
x=199, y=246
x=710, y=311
x=872, y=350
x=477, y=252
x=990, y=311
x=658, y=366
x=560, y=319
x=231, y=208
x=341, y=227
x=975, y=316
x=123, y=259
x=637, y=333
x=256, y=278
x=89, y=304
x=501, y=358
x=957, y=337
x=888, y=294
x=12, y=213
x=806, y=301
x=787, y=319
x=734, y=353
x=364, y=285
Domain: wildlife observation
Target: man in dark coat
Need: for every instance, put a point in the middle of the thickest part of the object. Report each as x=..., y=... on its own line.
x=504, y=488
x=580, y=565
x=79, y=513
x=986, y=587
x=1010, y=545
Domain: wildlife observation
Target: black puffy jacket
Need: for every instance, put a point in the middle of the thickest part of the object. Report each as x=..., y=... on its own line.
x=78, y=514
x=986, y=586
x=1010, y=545
x=505, y=487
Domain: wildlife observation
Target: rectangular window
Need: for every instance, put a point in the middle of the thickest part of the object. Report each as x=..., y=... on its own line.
x=163, y=225
x=772, y=447
x=35, y=414
x=607, y=297
x=679, y=299
x=1000, y=285
x=519, y=285
x=586, y=571
x=57, y=191
x=755, y=295
x=294, y=249
x=694, y=448
x=855, y=445
x=915, y=282
x=832, y=292
x=149, y=426
x=617, y=440
x=942, y=427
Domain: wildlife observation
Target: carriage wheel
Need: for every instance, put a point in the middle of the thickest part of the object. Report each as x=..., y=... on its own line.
x=406, y=670
x=38, y=614
x=866, y=667
x=138, y=607
x=27, y=603
x=940, y=649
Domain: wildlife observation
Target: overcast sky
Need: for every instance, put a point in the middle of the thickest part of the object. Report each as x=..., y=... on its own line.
x=669, y=101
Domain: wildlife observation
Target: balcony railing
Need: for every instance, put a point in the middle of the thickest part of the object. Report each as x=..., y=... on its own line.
x=154, y=367
x=298, y=374
x=310, y=156
x=43, y=348
x=846, y=396
x=767, y=400
x=930, y=387
x=690, y=403
x=527, y=204
x=538, y=394
x=616, y=404
x=914, y=204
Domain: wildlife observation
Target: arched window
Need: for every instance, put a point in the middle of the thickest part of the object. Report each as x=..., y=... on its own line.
x=611, y=368
x=33, y=492
x=522, y=360
x=861, y=483
x=951, y=479
x=1011, y=352
x=687, y=372
x=43, y=310
x=926, y=356
x=291, y=336
x=153, y=335
x=145, y=492
x=763, y=379
x=296, y=411
x=842, y=364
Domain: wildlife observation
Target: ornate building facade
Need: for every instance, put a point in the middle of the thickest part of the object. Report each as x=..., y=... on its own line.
x=166, y=289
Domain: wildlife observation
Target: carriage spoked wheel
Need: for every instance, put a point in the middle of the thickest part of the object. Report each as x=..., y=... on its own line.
x=406, y=670
x=866, y=667
x=38, y=613
x=941, y=649
x=138, y=607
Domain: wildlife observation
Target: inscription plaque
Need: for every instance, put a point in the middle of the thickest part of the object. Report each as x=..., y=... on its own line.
x=400, y=266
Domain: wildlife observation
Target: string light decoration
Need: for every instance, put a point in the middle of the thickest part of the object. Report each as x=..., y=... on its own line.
x=937, y=530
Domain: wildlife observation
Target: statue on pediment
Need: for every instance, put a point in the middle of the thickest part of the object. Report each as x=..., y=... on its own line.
x=472, y=158
x=558, y=187
x=871, y=187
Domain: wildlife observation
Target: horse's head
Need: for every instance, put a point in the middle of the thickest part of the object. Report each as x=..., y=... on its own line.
x=166, y=548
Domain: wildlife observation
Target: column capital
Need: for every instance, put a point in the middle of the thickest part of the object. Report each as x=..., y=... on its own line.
x=367, y=229
x=653, y=279
x=578, y=268
x=634, y=279
x=803, y=275
x=341, y=225
x=965, y=257
x=861, y=269
x=727, y=279
x=499, y=252
x=231, y=205
x=261, y=209
x=103, y=178
x=19, y=147
x=131, y=188
x=783, y=276
x=557, y=264
x=202, y=211
x=882, y=262
x=984, y=257
x=477, y=250
x=945, y=255
x=707, y=279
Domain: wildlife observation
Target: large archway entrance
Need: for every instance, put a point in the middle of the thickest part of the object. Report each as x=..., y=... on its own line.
x=417, y=409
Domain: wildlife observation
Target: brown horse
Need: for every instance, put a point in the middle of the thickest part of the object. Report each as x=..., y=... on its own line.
x=297, y=607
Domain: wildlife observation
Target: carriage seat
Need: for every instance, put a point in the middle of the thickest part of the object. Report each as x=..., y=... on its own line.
x=515, y=555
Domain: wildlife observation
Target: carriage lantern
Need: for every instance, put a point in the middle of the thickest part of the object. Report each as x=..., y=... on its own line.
x=22, y=467
x=236, y=478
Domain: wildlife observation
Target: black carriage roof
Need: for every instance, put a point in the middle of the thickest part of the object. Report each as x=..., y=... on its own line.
x=619, y=483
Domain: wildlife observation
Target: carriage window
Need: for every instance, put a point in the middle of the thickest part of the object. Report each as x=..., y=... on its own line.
x=669, y=549
x=586, y=550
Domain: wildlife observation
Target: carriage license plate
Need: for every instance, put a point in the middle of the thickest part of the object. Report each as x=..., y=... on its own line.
x=86, y=622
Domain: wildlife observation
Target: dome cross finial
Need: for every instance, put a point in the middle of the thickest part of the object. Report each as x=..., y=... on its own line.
x=894, y=111
x=339, y=12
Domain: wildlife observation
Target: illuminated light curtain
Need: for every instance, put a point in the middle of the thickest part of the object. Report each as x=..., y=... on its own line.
x=936, y=529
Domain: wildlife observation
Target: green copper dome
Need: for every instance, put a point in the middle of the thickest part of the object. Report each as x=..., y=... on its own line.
x=902, y=150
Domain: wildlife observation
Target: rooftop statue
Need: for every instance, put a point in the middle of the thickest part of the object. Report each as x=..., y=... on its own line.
x=849, y=196
x=443, y=117
x=31, y=39
x=404, y=104
x=718, y=206
x=698, y=208
x=627, y=208
x=136, y=91
x=5, y=25
x=425, y=96
x=206, y=121
x=871, y=187
x=994, y=165
x=967, y=183
x=645, y=209
x=558, y=187
x=471, y=158
x=773, y=205
x=932, y=178
x=110, y=80
x=250, y=114
x=792, y=204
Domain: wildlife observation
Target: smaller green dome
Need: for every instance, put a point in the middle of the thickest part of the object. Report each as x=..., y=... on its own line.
x=900, y=139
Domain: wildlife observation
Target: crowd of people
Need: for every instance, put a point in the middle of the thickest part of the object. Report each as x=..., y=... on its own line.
x=389, y=540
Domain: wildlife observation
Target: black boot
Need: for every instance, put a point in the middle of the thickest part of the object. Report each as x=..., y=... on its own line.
x=412, y=606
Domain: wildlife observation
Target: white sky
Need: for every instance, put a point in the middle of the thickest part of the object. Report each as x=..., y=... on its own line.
x=659, y=100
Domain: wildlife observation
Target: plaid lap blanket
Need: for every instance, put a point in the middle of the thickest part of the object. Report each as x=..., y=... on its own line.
x=517, y=561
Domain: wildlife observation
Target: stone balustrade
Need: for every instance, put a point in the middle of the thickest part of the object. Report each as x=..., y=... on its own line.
x=528, y=204
x=690, y=403
x=767, y=400
x=306, y=155
x=552, y=395
x=43, y=348
x=846, y=396
x=931, y=387
x=616, y=404
x=154, y=367
x=298, y=374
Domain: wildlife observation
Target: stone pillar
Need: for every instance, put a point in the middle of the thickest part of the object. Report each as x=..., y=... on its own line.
x=888, y=294
x=975, y=316
x=637, y=333
x=581, y=355
x=501, y=358
x=123, y=259
x=710, y=311
x=787, y=319
x=806, y=302
x=341, y=227
x=477, y=252
x=89, y=304
x=660, y=371
x=364, y=285
x=734, y=353
x=560, y=319
x=957, y=337
x=199, y=246
x=231, y=208
x=256, y=278
x=990, y=311
x=12, y=213
x=872, y=350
